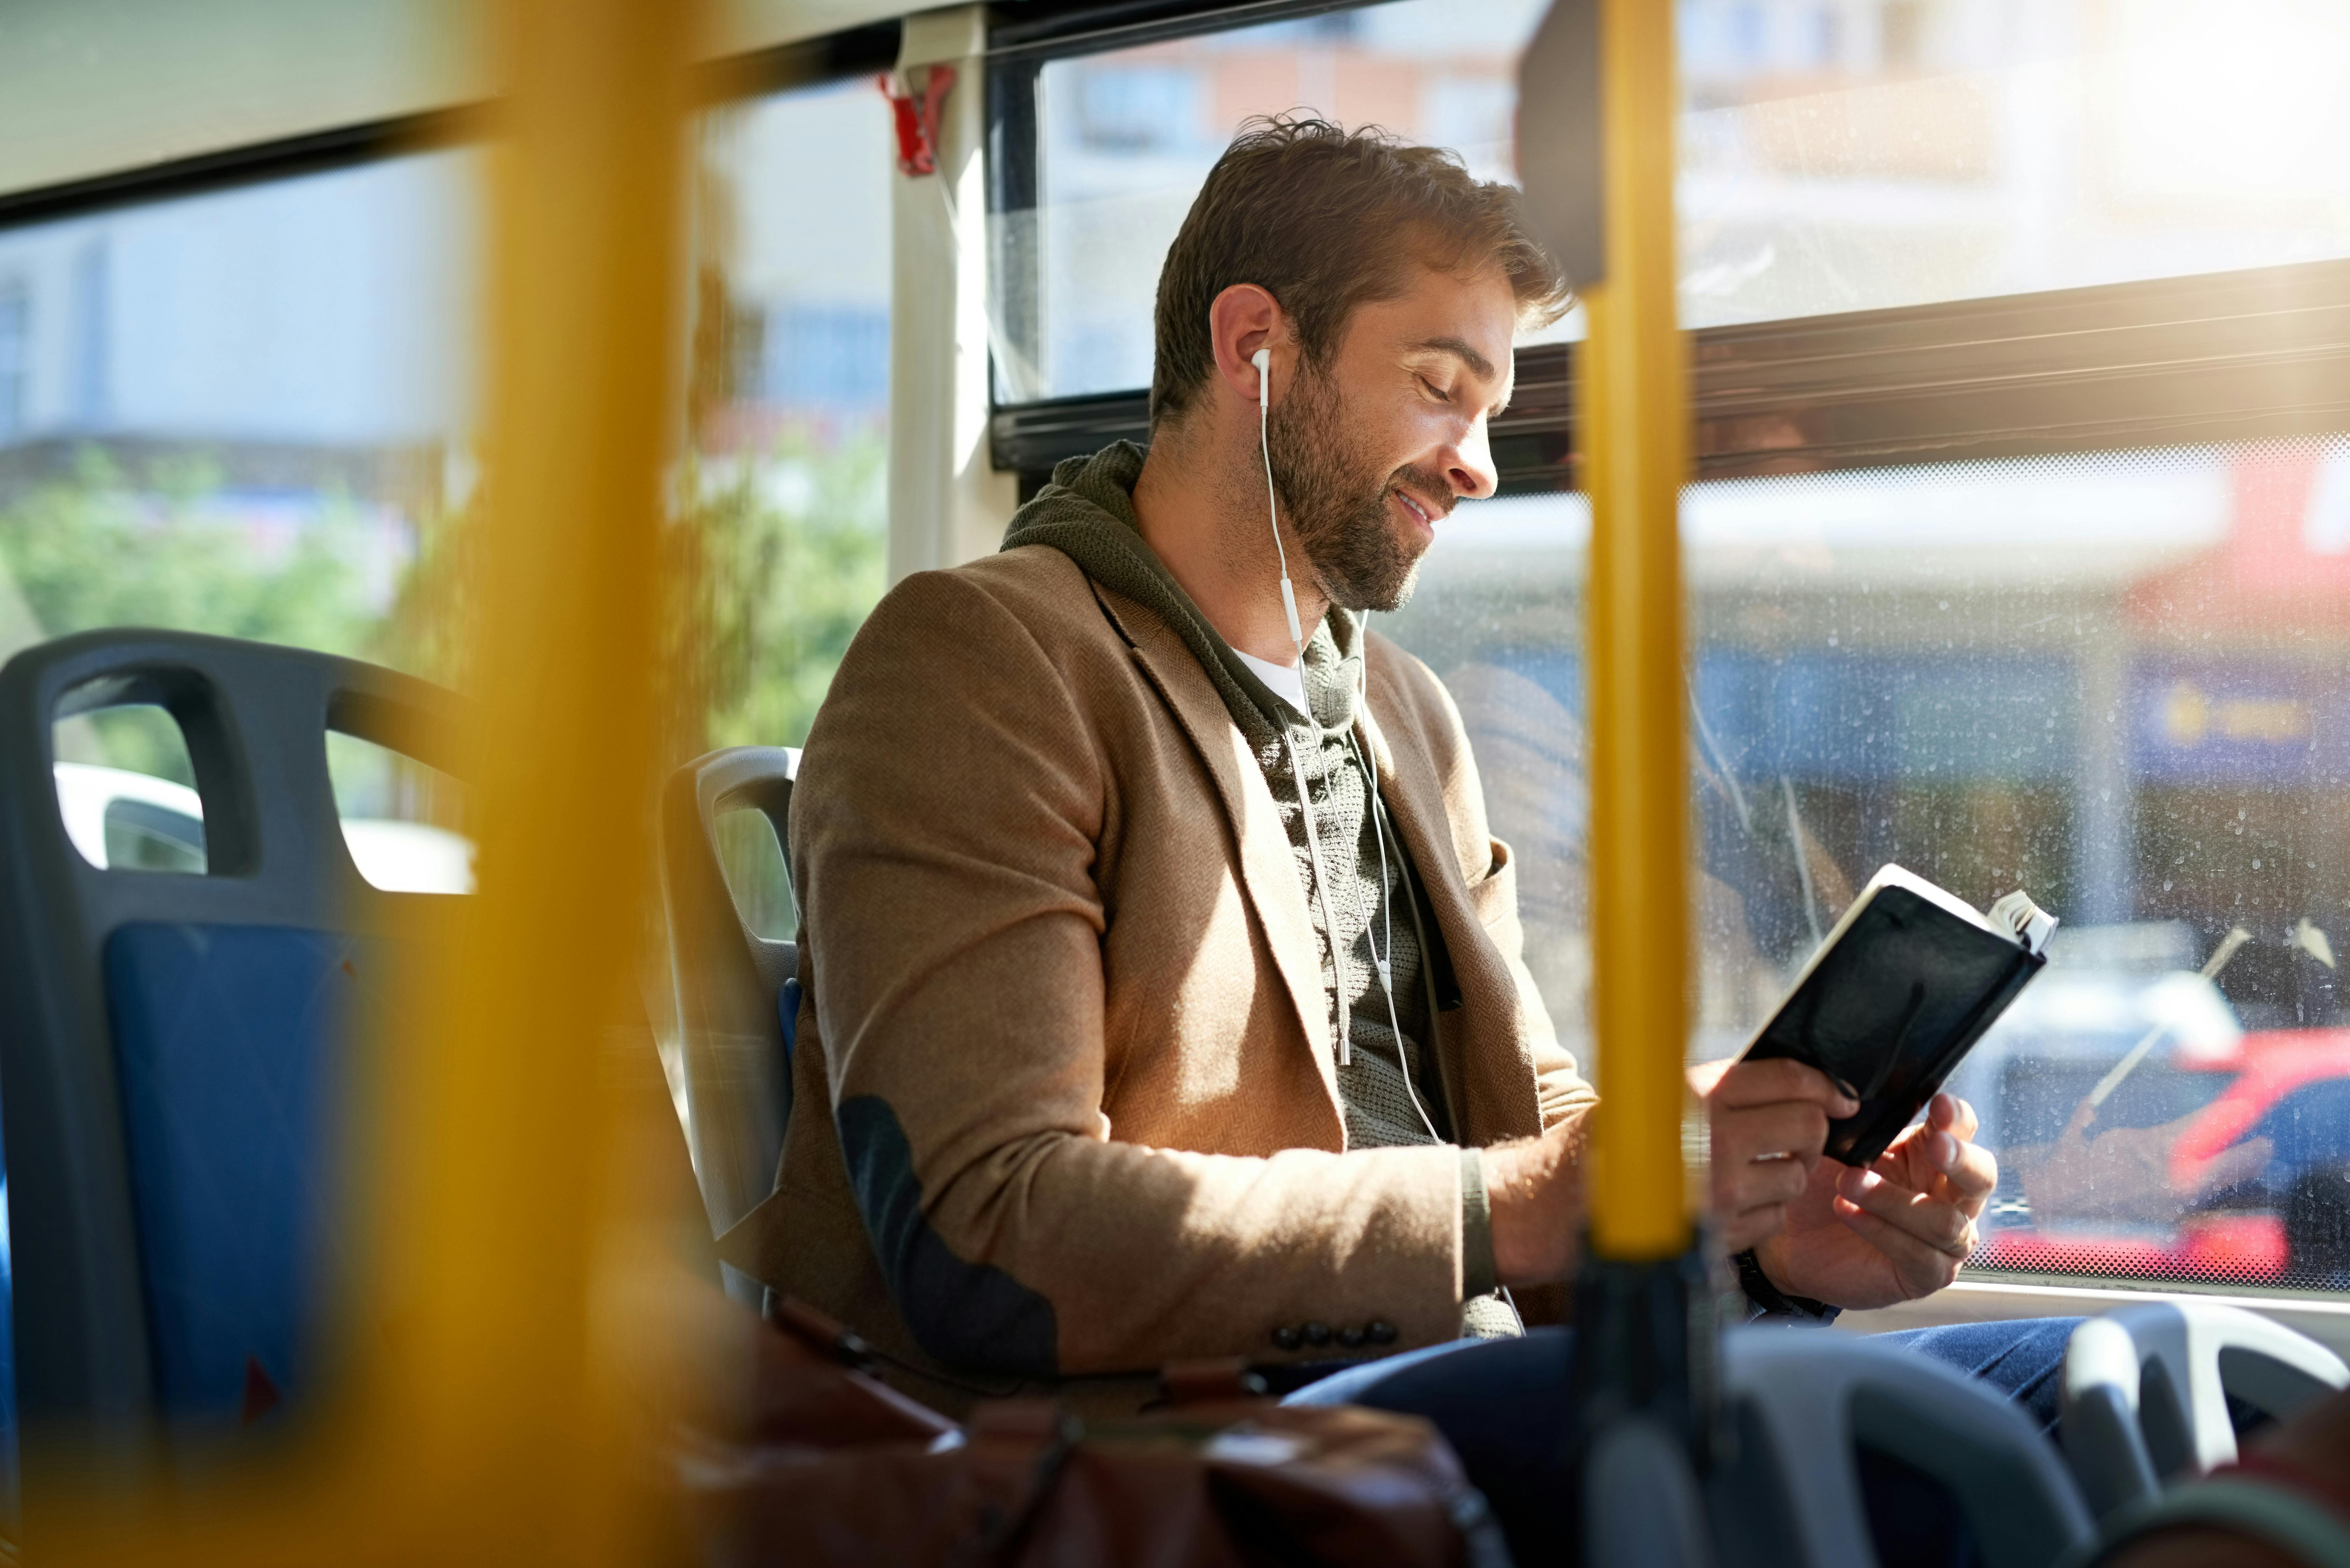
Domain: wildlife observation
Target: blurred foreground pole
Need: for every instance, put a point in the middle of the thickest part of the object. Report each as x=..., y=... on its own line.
x=480, y=1416
x=504, y=1420
x=1599, y=102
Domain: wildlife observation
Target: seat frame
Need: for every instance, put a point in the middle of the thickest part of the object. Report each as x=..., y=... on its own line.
x=728, y=983
x=255, y=718
x=1803, y=1401
x=2146, y=1387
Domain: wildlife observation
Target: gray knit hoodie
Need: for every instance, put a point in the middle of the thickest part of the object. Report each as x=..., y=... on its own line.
x=1390, y=1091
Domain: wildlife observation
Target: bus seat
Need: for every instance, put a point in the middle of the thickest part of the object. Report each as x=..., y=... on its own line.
x=1803, y=1404
x=1641, y=1502
x=737, y=993
x=173, y=1043
x=2147, y=1392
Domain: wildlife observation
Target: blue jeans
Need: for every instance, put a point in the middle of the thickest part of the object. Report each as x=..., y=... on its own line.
x=1501, y=1404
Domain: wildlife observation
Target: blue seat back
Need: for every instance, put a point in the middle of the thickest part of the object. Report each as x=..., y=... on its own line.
x=176, y=1046
x=225, y=1055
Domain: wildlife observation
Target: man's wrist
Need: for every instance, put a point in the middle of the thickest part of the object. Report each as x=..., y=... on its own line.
x=1768, y=1301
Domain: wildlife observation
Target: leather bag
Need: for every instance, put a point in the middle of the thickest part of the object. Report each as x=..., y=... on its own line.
x=837, y=1468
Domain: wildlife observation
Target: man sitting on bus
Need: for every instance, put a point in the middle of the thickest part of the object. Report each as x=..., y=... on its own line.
x=1164, y=992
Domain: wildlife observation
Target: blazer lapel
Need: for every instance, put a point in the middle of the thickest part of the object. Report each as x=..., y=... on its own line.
x=1268, y=871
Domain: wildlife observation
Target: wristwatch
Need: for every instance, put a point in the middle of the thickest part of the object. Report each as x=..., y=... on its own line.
x=1768, y=1301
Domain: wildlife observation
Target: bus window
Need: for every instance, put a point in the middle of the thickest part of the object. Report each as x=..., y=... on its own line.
x=1853, y=157
x=246, y=412
x=788, y=417
x=2114, y=681
x=788, y=408
x=1842, y=156
x=1123, y=138
x=2041, y=639
x=250, y=413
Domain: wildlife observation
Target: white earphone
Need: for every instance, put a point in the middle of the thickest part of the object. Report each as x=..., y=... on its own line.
x=1263, y=360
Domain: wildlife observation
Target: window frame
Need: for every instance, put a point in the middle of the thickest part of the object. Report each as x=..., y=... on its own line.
x=860, y=51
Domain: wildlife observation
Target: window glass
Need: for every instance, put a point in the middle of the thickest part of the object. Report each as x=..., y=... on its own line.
x=1125, y=137
x=2115, y=681
x=783, y=499
x=126, y=790
x=1848, y=156
x=15, y=355
x=403, y=821
x=752, y=859
x=1836, y=155
x=789, y=405
x=244, y=412
x=247, y=413
x=252, y=413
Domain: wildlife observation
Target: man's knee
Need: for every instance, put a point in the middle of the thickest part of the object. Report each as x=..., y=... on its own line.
x=2021, y=1358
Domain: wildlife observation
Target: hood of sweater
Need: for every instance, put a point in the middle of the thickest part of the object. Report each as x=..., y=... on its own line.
x=1086, y=512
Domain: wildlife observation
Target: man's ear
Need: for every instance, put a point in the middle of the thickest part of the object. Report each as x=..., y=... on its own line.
x=1241, y=320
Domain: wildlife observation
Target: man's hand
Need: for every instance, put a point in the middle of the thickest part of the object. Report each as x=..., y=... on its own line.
x=1769, y=1121
x=1895, y=1231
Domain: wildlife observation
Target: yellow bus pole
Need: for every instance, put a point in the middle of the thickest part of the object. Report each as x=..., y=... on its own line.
x=483, y=1422
x=1645, y=1351
x=507, y=1403
x=1635, y=421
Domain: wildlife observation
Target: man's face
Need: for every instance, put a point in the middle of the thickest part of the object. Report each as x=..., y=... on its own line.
x=1377, y=446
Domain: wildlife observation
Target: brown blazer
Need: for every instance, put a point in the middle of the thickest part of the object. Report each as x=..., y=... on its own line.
x=1065, y=1095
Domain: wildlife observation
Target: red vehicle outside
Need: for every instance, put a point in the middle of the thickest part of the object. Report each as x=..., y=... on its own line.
x=2289, y=1087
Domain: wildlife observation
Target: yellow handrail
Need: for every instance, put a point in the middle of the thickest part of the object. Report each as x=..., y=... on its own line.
x=483, y=1421
x=504, y=1405
x=1635, y=407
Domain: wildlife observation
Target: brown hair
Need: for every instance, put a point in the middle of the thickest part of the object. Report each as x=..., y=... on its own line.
x=1324, y=219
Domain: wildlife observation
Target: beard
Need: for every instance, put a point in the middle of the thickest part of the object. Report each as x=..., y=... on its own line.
x=1334, y=495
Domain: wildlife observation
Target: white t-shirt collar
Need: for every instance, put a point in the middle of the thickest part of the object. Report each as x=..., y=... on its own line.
x=1286, y=682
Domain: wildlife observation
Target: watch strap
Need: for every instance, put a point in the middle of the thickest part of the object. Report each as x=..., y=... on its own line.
x=1766, y=1300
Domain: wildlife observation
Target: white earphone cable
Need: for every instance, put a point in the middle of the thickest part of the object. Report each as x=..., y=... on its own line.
x=1263, y=360
x=1322, y=896
x=1381, y=964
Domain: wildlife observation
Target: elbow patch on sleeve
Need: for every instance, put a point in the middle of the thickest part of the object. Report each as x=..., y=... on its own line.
x=966, y=1314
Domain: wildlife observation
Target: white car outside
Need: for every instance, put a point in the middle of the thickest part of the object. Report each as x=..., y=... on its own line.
x=397, y=856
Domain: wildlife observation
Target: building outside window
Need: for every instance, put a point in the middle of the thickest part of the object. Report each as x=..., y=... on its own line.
x=789, y=415
x=790, y=407
x=16, y=356
x=1851, y=156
